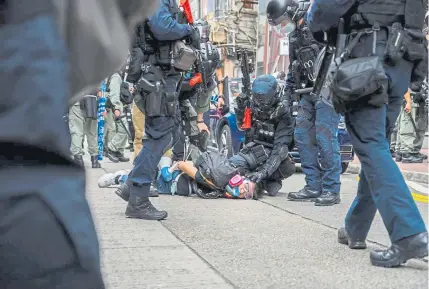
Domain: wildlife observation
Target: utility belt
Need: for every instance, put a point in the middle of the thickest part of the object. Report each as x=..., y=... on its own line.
x=153, y=98
x=255, y=154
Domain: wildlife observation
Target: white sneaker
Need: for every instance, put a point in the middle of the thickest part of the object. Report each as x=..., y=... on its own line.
x=108, y=179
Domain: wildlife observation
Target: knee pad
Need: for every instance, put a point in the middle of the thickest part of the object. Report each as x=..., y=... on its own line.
x=287, y=168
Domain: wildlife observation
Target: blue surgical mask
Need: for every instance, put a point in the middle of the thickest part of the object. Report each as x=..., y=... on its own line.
x=289, y=27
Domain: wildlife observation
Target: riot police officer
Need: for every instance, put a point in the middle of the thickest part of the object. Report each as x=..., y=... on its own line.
x=264, y=158
x=371, y=114
x=317, y=121
x=194, y=98
x=162, y=36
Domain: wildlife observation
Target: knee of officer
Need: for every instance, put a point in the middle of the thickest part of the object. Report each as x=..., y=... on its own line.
x=287, y=168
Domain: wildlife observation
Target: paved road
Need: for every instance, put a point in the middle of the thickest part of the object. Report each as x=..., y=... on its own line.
x=220, y=244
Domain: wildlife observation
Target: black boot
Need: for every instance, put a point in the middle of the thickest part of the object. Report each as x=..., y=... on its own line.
x=423, y=156
x=304, y=195
x=398, y=157
x=123, y=191
x=95, y=163
x=141, y=207
x=411, y=158
x=344, y=238
x=121, y=157
x=415, y=246
x=328, y=199
x=272, y=187
x=111, y=155
x=79, y=160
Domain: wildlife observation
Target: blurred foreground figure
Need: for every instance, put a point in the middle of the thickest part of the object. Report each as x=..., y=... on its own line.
x=47, y=236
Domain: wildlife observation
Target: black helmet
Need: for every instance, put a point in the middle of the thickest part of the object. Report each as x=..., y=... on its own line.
x=204, y=29
x=283, y=12
x=265, y=95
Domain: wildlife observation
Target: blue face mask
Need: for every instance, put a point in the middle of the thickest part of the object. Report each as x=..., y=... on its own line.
x=289, y=27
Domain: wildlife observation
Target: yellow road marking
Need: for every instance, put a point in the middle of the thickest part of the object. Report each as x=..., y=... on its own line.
x=416, y=196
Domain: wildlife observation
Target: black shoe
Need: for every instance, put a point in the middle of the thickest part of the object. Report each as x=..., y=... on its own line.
x=272, y=187
x=79, y=160
x=328, y=199
x=411, y=158
x=112, y=156
x=121, y=157
x=131, y=149
x=304, y=195
x=142, y=208
x=423, y=156
x=95, y=163
x=415, y=246
x=398, y=157
x=343, y=238
x=123, y=192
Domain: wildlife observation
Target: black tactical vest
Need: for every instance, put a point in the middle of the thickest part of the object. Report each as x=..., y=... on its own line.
x=306, y=50
x=382, y=12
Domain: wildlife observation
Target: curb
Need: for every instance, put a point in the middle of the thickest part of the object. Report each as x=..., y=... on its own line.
x=409, y=176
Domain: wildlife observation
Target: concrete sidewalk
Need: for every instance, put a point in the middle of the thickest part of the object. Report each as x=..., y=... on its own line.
x=411, y=172
x=216, y=244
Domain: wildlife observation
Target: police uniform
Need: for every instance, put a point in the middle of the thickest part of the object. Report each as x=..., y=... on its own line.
x=81, y=126
x=265, y=157
x=316, y=124
x=410, y=138
x=194, y=100
x=160, y=107
x=117, y=137
x=48, y=238
x=381, y=186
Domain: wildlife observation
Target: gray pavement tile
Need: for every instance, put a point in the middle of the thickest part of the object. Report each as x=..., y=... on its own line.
x=158, y=267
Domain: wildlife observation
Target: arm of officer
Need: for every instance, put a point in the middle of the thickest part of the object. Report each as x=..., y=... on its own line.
x=420, y=71
x=164, y=27
x=115, y=92
x=290, y=85
x=325, y=14
x=282, y=138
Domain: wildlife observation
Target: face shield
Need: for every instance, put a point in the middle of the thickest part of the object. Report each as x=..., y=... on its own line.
x=282, y=25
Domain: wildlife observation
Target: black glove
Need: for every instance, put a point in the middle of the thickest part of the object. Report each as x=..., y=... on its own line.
x=195, y=38
x=242, y=101
x=258, y=176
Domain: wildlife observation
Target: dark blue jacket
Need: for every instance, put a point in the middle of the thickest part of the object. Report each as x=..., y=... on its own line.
x=165, y=27
x=325, y=14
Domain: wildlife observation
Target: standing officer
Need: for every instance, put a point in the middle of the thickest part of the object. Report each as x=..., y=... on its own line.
x=317, y=122
x=37, y=53
x=162, y=33
x=194, y=99
x=411, y=129
x=79, y=126
x=369, y=120
x=118, y=138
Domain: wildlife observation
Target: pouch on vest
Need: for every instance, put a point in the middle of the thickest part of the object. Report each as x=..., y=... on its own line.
x=359, y=80
x=89, y=106
x=307, y=56
x=183, y=56
x=415, y=13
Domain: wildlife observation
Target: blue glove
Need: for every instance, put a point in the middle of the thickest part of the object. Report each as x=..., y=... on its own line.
x=166, y=175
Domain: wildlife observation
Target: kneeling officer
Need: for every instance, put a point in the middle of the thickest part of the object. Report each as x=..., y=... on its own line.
x=265, y=157
x=163, y=36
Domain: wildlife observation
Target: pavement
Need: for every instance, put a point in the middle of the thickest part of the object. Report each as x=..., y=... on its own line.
x=271, y=243
x=416, y=175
